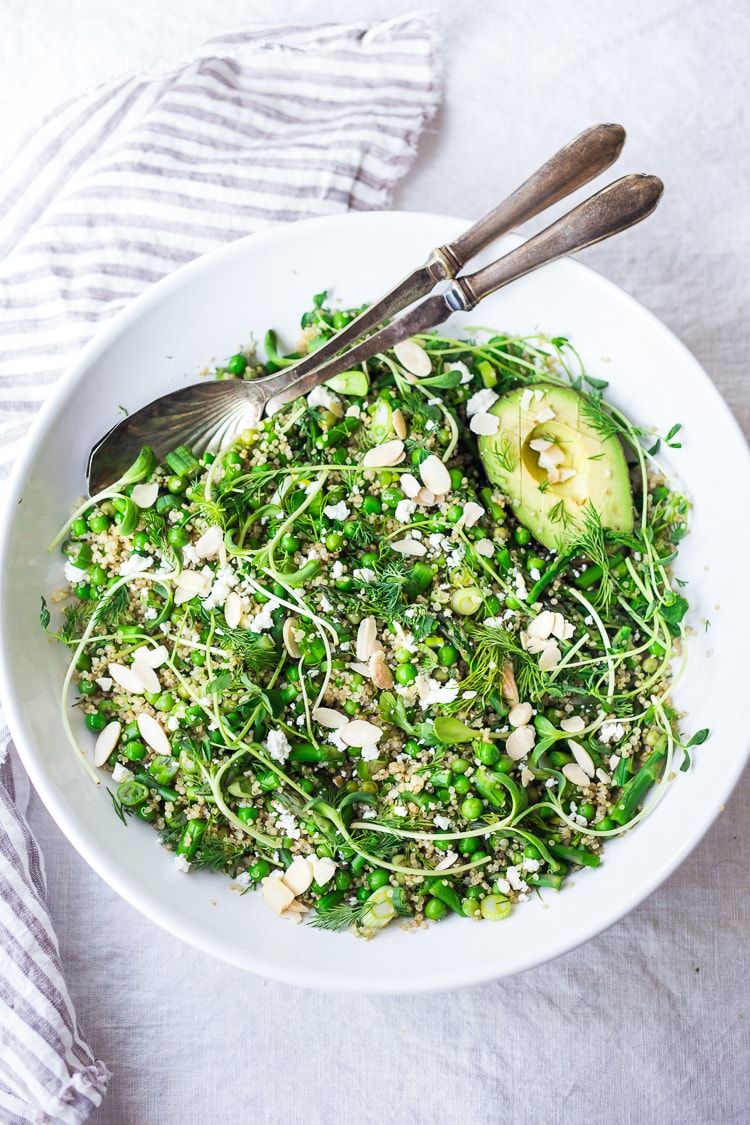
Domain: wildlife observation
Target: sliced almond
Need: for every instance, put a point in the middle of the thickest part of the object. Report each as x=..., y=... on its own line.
x=545, y=415
x=277, y=895
x=541, y=625
x=360, y=733
x=471, y=513
x=566, y=474
x=367, y=636
x=485, y=548
x=382, y=456
x=425, y=498
x=380, y=672
x=330, y=719
x=435, y=475
x=410, y=486
x=409, y=547
x=509, y=687
x=126, y=678
x=413, y=357
x=550, y=658
x=604, y=777
x=582, y=756
x=154, y=657
x=540, y=445
x=551, y=457
x=572, y=725
x=106, y=742
x=298, y=875
x=520, y=742
x=209, y=543
x=360, y=669
x=146, y=676
x=290, y=644
x=193, y=582
x=484, y=424
x=153, y=733
x=144, y=495
x=574, y=773
x=324, y=870
x=399, y=423
x=520, y=714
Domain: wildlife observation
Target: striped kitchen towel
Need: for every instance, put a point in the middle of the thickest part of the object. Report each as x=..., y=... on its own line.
x=115, y=190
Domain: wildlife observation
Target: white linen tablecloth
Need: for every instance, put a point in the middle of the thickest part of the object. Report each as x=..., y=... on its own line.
x=648, y=1022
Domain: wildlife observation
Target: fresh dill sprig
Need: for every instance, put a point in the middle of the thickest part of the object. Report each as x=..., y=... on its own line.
x=217, y=854
x=75, y=619
x=121, y=811
x=340, y=917
x=112, y=609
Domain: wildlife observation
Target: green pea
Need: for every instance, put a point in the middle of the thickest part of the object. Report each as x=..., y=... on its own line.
x=418, y=456
x=198, y=657
x=457, y=478
x=334, y=540
x=443, y=845
x=96, y=722
x=260, y=870
x=390, y=497
x=350, y=707
x=405, y=673
x=194, y=716
x=606, y=824
x=237, y=364
x=460, y=765
x=98, y=524
x=372, y=506
x=363, y=893
x=87, y=687
x=487, y=753
x=83, y=663
x=97, y=575
x=247, y=814
x=83, y=591
x=587, y=810
x=378, y=879
x=462, y=785
x=535, y=563
x=435, y=909
x=475, y=891
x=79, y=528
x=558, y=758
x=469, y=845
x=531, y=852
x=369, y=559
x=178, y=536
x=176, y=484
x=472, y=808
x=164, y=702
x=412, y=748
x=289, y=544
x=522, y=535
x=454, y=513
x=131, y=732
x=141, y=543
x=342, y=880
x=135, y=750
x=447, y=656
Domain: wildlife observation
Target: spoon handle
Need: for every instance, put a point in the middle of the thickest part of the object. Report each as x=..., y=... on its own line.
x=613, y=209
x=578, y=162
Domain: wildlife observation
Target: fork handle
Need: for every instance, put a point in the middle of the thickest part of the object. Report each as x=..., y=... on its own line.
x=613, y=209
x=578, y=162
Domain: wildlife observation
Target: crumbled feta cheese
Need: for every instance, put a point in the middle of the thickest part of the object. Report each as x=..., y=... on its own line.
x=338, y=511
x=243, y=879
x=503, y=886
x=369, y=813
x=442, y=822
x=323, y=397
x=364, y=574
x=74, y=574
x=435, y=692
x=514, y=878
x=135, y=565
x=337, y=570
x=121, y=773
x=611, y=732
x=105, y=683
x=336, y=740
x=173, y=723
x=400, y=810
x=485, y=547
x=404, y=510
x=190, y=555
x=530, y=865
x=287, y=823
x=277, y=745
x=182, y=864
x=224, y=581
x=325, y=605
x=263, y=619
x=369, y=753
x=480, y=402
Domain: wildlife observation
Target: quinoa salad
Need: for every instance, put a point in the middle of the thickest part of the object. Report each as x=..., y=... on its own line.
x=403, y=652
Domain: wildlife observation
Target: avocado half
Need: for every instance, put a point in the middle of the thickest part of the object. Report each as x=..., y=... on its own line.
x=551, y=463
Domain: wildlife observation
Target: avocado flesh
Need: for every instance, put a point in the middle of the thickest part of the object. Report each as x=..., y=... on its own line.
x=553, y=510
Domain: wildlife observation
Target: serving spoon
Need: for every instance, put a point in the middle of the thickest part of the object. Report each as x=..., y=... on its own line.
x=209, y=415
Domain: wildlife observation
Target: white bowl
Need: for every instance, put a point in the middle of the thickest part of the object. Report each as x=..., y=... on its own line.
x=208, y=309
